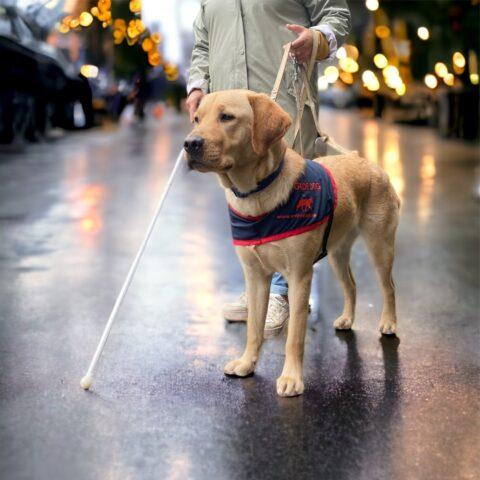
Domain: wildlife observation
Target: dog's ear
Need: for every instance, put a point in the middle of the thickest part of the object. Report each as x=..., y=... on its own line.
x=270, y=122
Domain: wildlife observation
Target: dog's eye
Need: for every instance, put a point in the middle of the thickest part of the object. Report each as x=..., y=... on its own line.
x=196, y=120
x=225, y=117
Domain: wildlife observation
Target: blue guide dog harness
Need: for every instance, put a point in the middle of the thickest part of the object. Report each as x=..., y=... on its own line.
x=312, y=202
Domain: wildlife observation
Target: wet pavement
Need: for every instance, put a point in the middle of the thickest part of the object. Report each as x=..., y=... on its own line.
x=72, y=215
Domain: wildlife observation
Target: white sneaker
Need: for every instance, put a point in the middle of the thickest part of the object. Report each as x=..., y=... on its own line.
x=236, y=311
x=277, y=315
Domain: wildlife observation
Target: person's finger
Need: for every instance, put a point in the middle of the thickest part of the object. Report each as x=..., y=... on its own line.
x=299, y=42
x=298, y=29
x=300, y=52
x=191, y=110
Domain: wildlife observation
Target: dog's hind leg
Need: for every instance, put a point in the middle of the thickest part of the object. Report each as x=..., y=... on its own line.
x=339, y=259
x=379, y=236
x=258, y=289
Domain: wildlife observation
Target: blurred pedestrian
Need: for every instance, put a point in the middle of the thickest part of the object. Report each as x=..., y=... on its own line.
x=238, y=44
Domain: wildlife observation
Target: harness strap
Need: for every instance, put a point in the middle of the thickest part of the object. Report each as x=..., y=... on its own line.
x=324, y=252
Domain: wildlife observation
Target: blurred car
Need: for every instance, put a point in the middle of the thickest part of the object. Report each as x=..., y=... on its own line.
x=39, y=88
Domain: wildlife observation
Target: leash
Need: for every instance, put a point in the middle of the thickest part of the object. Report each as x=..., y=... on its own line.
x=304, y=96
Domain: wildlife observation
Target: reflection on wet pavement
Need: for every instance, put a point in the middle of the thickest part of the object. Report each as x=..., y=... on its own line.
x=72, y=215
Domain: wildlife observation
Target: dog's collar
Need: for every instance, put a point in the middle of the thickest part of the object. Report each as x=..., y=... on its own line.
x=262, y=184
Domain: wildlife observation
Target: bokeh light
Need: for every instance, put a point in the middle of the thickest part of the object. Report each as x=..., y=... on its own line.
x=441, y=69
x=372, y=5
x=380, y=60
x=331, y=74
x=431, y=81
x=423, y=33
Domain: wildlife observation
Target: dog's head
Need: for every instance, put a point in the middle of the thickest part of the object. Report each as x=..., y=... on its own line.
x=232, y=129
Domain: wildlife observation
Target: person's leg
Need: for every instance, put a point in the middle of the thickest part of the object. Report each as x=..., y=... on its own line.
x=278, y=311
x=279, y=285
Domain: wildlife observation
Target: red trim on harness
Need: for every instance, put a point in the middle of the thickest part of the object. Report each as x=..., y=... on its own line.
x=246, y=217
x=280, y=236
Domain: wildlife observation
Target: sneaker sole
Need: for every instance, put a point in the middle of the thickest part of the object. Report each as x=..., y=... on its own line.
x=235, y=317
x=273, y=332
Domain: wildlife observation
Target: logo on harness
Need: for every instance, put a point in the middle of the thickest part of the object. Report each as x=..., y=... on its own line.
x=304, y=204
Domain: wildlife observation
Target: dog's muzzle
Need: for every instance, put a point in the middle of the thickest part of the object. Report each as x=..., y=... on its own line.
x=194, y=146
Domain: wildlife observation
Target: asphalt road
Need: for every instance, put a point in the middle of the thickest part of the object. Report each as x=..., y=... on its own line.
x=72, y=214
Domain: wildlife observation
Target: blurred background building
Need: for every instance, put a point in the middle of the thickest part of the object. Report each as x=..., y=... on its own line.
x=77, y=63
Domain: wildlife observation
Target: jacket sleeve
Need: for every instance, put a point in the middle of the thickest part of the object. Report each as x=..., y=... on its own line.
x=199, y=71
x=332, y=18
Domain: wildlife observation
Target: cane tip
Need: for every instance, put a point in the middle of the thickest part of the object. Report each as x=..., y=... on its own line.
x=86, y=382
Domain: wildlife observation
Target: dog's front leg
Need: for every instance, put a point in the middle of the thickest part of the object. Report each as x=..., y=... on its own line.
x=290, y=383
x=258, y=289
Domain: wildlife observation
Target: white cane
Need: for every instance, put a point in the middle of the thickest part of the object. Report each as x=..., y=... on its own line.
x=86, y=381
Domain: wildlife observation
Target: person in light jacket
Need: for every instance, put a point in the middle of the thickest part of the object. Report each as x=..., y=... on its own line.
x=238, y=44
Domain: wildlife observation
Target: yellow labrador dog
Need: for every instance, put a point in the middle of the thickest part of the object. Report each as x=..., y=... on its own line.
x=239, y=136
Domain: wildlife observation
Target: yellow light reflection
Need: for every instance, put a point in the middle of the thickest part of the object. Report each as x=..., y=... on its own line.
x=427, y=174
x=370, y=141
x=89, y=202
x=391, y=162
x=201, y=290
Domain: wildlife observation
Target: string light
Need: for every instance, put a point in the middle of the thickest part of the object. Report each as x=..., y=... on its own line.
x=392, y=77
x=134, y=33
x=393, y=82
x=391, y=71
x=85, y=19
x=370, y=81
x=423, y=33
x=449, y=79
x=348, y=65
x=89, y=71
x=382, y=31
x=373, y=85
x=430, y=81
x=372, y=5
x=473, y=67
x=341, y=53
x=401, y=90
x=352, y=51
x=331, y=74
x=441, y=69
x=135, y=6
x=368, y=76
x=380, y=60
x=346, y=77
x=459, y=60
x=322, y=83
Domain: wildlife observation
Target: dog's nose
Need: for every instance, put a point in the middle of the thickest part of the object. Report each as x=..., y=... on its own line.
x=194, y=145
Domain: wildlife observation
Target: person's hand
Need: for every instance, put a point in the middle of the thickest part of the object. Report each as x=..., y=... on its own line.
x=192, y=102
x=302, y=46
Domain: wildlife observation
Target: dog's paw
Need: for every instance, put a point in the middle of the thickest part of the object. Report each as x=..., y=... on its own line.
x=343, y=323
x=239, y=368
x=388, y=327
x=289, y=386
